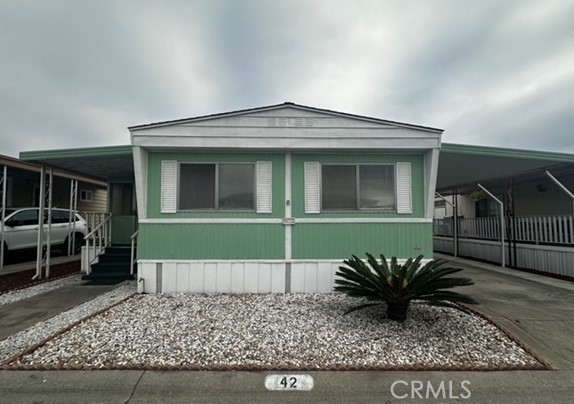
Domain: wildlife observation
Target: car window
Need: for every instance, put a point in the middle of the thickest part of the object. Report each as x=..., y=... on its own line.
x=25, y=217
x=62, y=216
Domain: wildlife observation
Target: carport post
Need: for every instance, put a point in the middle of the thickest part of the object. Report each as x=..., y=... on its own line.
x=72, y=216
x=40, y=241
x=3, y=213
x=502, y=230
x=562, y=186
x=454, y=223
x=48, y=241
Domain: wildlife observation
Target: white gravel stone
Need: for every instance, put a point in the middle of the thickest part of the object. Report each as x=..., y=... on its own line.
x=291, y=330
x=21, y=294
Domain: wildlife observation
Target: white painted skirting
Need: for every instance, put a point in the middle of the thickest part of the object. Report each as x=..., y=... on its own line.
x=248, y=276
x=557, y=260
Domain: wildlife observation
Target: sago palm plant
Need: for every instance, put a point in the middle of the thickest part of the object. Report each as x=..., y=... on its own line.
x=396, y=285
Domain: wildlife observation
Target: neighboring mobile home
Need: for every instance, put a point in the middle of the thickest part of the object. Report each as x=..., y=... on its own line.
x=272, y=199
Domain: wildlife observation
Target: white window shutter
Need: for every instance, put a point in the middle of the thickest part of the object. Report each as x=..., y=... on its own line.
x=404, y=188
x=264, y=187
x=168, y=186
x=312, y=187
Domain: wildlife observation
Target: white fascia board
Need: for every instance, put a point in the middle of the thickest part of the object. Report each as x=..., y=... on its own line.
x=285, y=138
x=350, y=143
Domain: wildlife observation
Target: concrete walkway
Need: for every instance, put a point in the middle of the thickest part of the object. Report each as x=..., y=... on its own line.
x=537, y=309
x=19, y=316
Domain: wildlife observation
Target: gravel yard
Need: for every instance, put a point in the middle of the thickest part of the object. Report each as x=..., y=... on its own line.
x=275, y=331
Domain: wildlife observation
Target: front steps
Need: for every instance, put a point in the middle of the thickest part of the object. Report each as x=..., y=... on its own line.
x=113, y=266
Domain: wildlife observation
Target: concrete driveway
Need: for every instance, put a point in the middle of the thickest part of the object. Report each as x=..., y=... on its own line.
x=539, y=310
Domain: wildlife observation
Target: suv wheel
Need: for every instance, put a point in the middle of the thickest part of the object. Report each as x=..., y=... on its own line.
x=78, y=242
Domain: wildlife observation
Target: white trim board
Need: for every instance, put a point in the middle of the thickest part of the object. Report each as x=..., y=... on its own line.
x=280, y=220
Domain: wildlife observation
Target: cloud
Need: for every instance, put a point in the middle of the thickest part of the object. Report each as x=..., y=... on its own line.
x=76, y=74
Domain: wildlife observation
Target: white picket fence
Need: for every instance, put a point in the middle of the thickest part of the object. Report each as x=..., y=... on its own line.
x=541, y=243
x=556, y=230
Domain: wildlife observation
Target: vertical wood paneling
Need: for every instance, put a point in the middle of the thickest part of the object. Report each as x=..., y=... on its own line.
x=264, y=278
x=298, y=277
x=237, y=277
x=210, y=277
x=196, y=276
x=211, y=241
x=147, y=271
x=224, y=277
x=325, y=273
x=277, y=278
x=250, y=278
x=168, y=280
x=310, y=277
x=183, y=275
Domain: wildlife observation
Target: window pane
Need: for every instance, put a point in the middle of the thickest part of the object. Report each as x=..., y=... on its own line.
x=338, y=188
x=26, y=217
x=197, y=186
x=236, y=186
x=377, y=187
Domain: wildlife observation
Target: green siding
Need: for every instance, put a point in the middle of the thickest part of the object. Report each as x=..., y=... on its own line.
x=211, y=241
x=325, y=241
x=298, y=191
x=122, y=229
x=267, y=241
x=154, y=182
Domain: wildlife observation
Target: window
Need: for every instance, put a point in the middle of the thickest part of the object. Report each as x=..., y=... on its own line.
x=63, y=216
x=486, y=207
x=216, y=186
x=24, y=218
x=85, y=195
x=358, y=187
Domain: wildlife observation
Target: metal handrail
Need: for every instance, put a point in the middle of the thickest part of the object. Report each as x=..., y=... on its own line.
x=133, y=239
x=102, y=234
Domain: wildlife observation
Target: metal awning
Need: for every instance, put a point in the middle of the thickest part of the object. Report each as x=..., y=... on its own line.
x=111, y=163
x=461, y=167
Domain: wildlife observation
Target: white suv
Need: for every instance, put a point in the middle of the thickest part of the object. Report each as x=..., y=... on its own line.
x=21, y=229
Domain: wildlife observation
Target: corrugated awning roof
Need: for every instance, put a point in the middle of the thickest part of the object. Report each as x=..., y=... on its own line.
x=462, y=166
x=112, y=163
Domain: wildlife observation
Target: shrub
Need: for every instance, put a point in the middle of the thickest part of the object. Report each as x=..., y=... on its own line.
x=396, y=285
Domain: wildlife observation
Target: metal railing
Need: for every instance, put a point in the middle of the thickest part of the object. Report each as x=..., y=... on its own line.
x=133, y=257
x=98, y=238
x=557, y=230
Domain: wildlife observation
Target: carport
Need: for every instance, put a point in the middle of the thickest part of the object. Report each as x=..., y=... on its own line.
x=24, y=185
x=513, y=207
x=110, y=167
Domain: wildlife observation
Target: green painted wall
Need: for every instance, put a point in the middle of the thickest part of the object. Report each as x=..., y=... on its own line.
x=329, y=240
x=154, y=182
x=267, y=241
x=211, y=241
x=122, y=229
x=298, y=191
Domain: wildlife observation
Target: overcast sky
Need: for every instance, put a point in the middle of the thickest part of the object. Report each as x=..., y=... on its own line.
x=78, y=73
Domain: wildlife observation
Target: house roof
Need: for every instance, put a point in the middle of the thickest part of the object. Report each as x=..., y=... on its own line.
x=280, y=106
x=285, y=127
